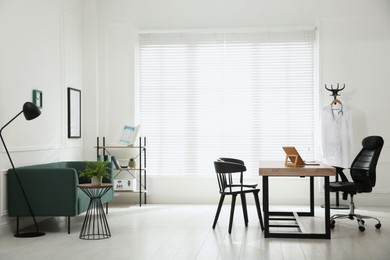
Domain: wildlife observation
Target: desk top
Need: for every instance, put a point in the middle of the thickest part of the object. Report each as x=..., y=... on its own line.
x=277, y=168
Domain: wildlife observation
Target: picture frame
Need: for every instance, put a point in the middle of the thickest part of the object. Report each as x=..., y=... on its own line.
x=74, y=113
x=129, y=134
x=37, y=98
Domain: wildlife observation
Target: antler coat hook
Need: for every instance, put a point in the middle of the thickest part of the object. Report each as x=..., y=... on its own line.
x=335, y=92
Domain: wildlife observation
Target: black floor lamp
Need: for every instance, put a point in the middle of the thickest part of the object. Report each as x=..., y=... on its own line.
x=30, y=112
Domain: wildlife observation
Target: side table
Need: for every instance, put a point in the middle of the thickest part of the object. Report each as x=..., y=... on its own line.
x=95, y=224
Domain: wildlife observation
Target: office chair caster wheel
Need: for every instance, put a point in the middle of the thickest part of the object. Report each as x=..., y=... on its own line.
x=332, y=224
x=361, y=228
x=378, y=226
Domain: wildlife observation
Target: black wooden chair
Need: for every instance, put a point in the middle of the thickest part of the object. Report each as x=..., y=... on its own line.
x=363, y=173
x=234, y=160
x=224, y=171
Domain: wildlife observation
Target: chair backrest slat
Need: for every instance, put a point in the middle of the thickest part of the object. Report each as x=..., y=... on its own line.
x=224, y=171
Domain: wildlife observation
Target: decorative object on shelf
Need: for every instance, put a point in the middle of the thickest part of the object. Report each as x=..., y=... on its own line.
x=74, y=113
x=30, y=112
x=96, y=171
x=123, y=185
x=132, y=163
x=129, y=134
x=37, y=98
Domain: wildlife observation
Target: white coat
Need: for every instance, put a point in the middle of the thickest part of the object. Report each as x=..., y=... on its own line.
x=337, y=135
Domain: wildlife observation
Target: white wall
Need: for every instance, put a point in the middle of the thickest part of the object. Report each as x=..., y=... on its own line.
x=354, y=49
x=40, y=49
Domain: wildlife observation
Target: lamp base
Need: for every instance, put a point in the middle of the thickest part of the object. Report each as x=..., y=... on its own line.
x=30, y=234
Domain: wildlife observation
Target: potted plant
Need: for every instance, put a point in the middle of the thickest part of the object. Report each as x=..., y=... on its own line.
x=96, y=171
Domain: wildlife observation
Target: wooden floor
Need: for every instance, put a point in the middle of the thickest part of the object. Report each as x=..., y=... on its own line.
x=184, y=232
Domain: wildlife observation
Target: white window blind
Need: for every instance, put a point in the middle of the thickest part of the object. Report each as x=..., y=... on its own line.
x=210, y=95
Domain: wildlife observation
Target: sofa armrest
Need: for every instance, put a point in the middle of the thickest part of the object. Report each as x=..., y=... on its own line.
x=50, y=191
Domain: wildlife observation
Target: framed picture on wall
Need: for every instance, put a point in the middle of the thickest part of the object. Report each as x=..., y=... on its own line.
x=37, y=98
x=74, y=113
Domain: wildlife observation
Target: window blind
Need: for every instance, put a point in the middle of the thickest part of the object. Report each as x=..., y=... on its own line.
x=210, y=95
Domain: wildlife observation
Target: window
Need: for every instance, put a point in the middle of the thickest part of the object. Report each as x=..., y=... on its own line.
x=210, y=95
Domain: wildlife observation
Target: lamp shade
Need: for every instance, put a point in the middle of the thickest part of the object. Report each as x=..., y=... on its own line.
x=30, y=111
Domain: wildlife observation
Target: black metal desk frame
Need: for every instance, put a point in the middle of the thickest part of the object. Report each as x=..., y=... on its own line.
x=294, y=216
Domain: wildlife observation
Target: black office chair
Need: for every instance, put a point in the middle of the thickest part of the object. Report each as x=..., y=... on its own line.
x=363, y=173
x=234, y=160
x=224, y=171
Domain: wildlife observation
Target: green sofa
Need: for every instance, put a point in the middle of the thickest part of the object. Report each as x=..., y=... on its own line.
x=51, y=190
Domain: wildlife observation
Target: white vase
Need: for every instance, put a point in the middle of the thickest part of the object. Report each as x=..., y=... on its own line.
x=96, y=180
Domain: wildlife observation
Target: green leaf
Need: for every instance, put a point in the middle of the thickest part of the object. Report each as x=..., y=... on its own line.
x=96, y=168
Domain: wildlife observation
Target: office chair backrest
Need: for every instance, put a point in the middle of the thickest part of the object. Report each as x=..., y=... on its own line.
x=363, y=168
x=224, y=172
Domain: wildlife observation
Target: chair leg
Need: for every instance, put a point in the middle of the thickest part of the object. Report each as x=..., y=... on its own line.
x=232, y=212
x=358, y=217
x=256, y=195
x=244, y=208
x=218, y=210
x=352, y=215
x=362, y=217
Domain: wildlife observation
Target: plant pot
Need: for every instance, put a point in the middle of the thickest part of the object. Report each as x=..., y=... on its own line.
x=96, y=180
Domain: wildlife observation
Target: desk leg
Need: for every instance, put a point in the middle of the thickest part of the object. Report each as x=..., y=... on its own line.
x=266, y=206
x=327, y=207
x=311, y=196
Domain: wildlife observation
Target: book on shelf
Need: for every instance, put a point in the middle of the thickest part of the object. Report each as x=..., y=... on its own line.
x=115, y=162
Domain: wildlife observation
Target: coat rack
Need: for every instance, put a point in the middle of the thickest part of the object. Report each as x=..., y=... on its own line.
x=335, y=92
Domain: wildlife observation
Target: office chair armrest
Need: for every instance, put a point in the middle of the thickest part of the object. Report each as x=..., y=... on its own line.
x=340, y=172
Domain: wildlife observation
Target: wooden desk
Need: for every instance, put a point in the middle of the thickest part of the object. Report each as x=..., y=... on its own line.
x=278, y=169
